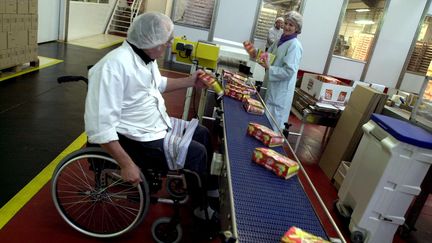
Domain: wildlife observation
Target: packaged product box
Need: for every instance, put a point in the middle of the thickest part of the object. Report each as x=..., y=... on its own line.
x=276, y=162
x=262, y=55
x=326, y=91
x=297, y=235
x=249, y=47
x=241, y=84
x=235, y=93
x=264, y=134
x=330, y=80
x=253, y=106
x=211, y=82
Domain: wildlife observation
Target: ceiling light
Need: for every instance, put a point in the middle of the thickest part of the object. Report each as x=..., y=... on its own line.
x=364, y=21
x=362, y=10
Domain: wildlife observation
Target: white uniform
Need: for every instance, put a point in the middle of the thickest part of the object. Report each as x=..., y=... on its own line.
x=281, y=78
x=273, y=35
x=124, y=96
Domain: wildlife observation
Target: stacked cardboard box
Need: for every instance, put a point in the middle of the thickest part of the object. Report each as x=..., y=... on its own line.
x=18, y=32
x=348, y=131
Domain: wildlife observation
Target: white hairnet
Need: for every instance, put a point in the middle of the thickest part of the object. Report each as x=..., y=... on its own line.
x=149, y=30
x=296, y=18
x=280, y=19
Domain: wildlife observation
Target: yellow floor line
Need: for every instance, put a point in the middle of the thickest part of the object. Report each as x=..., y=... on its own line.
x=49, y=62
x=26, y=193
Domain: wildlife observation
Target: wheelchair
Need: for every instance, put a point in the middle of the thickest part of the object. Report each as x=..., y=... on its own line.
x=90, y=195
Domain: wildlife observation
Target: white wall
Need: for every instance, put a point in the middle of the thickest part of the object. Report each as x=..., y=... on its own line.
x=319, y=24
x=235, y=19
x=87, y=19
x=412, y=83
x=48, y=20
x=345, y=68
x=394, y=41
x=191, y=34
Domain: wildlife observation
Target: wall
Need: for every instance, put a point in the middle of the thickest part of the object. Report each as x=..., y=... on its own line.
x=48, y=20
x=235, y=19
x=413, y=82
x=317, y=33
x=394, y=41
x=87, y=19
x=190, y=33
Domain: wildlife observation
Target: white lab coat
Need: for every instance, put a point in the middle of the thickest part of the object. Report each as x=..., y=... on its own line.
x=280, y=80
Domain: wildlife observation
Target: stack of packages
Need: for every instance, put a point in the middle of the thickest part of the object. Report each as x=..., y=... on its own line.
x=18, y=33
x=236, y=87
x=270, y=159
x=296, y=235
x=330, y=80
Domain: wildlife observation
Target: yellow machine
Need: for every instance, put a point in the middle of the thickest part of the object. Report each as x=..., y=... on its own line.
x=201, y=53
x=198, y=54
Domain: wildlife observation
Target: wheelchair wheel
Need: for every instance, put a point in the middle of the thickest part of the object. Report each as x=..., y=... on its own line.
x=90, y=195
x=165, y=231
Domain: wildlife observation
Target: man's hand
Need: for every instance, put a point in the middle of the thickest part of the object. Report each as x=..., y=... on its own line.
x=132, y=174
x=197, y=82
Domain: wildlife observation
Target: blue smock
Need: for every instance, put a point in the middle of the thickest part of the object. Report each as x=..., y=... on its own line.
x=280, y=80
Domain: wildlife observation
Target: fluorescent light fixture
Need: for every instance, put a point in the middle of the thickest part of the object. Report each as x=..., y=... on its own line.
x=359, y=10
x=364, y=21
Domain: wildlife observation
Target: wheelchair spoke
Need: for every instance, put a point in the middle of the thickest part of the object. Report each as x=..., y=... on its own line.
x=92, y=197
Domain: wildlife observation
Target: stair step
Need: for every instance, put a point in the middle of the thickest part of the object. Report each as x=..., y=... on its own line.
x=117, y=31
x=122, y=21
x=120, y=26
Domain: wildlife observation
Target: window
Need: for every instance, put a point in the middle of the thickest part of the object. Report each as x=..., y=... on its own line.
x=197, y=13
x=270, y=10
x=358, y=28
x=422, y=54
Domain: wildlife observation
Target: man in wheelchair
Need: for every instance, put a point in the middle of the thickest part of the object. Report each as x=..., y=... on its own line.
x=125, y=112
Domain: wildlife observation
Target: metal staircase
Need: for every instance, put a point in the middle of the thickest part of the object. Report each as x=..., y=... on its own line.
x=123, y=14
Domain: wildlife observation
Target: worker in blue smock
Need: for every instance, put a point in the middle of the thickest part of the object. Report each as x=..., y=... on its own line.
x=281, y=76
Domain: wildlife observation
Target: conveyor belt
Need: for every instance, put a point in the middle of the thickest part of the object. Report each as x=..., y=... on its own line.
x=265, y=205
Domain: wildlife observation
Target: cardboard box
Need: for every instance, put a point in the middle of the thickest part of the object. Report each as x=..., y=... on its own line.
x=348, y=131
x=278, y=163
x=27, y=21
x=325, y=92
x=11, y=6
x=22, y=6
x=32, y=6
x=32, y=37
x=34, y=22
x=2, y=7
x=6, y=22
x=3, y=40
x=21, y=38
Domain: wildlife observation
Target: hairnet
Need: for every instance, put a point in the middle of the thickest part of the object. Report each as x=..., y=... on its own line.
x=296, y=18
x=280, y=19
x=149, y=30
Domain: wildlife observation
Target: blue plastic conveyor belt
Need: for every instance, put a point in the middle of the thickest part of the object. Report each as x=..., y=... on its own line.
x=266, y=206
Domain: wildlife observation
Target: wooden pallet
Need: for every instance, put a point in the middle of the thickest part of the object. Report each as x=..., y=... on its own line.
x=18, y=68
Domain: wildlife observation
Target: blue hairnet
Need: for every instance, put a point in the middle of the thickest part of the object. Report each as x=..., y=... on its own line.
x=149, y=30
